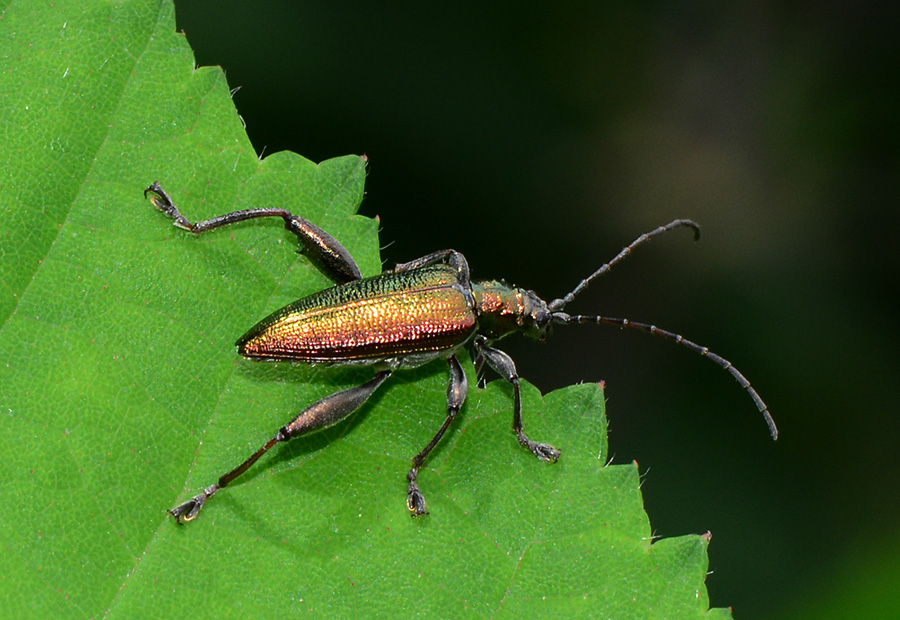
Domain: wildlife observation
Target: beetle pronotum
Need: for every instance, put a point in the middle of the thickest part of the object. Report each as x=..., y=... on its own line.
x=418, y=312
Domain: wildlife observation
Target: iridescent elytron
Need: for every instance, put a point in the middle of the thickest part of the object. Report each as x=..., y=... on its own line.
x=420, y=311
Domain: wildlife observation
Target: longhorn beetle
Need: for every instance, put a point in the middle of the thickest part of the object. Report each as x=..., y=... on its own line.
x=420, y=311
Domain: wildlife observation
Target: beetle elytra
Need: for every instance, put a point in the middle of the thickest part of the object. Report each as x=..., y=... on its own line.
x=418, y=312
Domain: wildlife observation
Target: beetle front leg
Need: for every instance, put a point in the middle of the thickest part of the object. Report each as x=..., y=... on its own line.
x=324, y=413
x=503, y=365
x=457, y=389
x=322, y=249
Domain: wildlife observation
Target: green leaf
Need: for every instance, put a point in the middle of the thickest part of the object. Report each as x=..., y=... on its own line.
x=121, y=392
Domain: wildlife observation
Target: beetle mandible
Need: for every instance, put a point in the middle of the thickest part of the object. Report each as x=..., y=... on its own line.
x=420, y=311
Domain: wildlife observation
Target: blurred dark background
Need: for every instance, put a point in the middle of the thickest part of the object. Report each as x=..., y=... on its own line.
x=539, y=139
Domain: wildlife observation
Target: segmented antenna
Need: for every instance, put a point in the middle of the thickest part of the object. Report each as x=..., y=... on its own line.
x=562, y=318
x=559, y=304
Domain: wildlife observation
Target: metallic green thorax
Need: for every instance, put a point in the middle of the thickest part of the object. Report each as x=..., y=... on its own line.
x=503, y=310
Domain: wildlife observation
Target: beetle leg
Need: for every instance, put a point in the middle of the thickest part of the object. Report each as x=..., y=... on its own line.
x=449, y=257
x=322, y=249
x=326, y=412
x=456, y=396
x=503, y=365
x=479, y=369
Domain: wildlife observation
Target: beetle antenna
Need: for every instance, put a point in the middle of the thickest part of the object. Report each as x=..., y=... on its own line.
x=559, y=304
x=564, y=319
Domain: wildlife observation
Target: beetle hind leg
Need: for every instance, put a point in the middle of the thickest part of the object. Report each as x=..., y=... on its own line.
x=322, y=249
x=322, y=414
x=457, y=389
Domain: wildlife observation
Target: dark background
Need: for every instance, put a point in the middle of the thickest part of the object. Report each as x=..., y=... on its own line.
x=539, y=139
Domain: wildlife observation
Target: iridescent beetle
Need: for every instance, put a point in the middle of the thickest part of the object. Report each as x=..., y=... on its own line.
x=420, y=311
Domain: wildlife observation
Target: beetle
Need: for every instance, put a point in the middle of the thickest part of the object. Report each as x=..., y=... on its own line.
x=420, y=311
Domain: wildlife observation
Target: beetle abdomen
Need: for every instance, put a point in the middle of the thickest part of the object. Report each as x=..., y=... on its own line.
x=395, y=314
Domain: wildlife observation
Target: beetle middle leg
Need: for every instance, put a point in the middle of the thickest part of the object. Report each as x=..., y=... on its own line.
x=322, y=414
x=503, y=365
x=457, y=389
x=450, y=257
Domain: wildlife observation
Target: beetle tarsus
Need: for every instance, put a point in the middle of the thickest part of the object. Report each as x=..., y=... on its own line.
x=160, y=199
x=544, y=451
x=188, y=510
x=415, y=501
